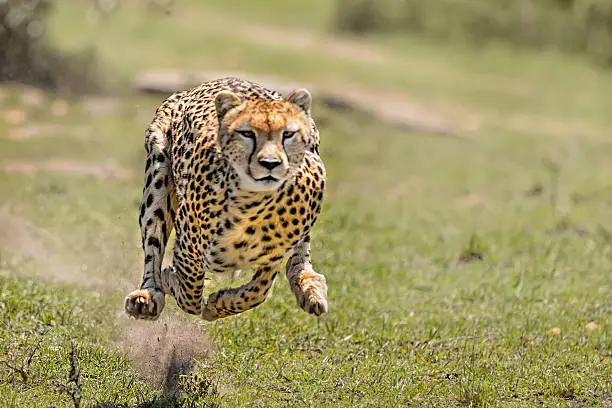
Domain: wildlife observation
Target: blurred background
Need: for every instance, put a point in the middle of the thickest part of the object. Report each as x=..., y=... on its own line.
x=466, y=233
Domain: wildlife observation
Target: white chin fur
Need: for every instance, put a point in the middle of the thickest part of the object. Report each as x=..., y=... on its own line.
x=249, y=184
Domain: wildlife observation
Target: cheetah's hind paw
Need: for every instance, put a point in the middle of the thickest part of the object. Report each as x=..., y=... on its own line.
x=144, y=304
x=311, y=293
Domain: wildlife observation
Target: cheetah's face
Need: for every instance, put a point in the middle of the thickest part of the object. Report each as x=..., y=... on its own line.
x=264, y=140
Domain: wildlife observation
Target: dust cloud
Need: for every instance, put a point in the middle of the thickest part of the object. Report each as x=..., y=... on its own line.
x=164, y=349
x=41, y=252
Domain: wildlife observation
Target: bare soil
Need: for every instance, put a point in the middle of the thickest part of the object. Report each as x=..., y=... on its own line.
x=106, y=170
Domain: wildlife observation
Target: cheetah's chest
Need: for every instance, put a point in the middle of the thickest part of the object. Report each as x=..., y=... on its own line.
x=246, y=247
x=258, y=236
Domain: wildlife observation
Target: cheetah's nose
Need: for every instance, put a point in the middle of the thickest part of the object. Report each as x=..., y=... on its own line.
x=269, y=162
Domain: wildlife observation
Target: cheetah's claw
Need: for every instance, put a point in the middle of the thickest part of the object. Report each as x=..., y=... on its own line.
x=144, y=304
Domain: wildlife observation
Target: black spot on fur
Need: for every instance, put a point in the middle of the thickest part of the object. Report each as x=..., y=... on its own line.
x=153, y=241
x=159, y=213
x=240, y=244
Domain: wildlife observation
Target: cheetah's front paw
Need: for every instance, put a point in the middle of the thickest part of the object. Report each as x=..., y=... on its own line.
x=209, y=309
x=144, y=304
x=311, y=293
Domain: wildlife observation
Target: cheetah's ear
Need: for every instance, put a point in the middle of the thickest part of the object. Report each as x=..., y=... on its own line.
x=224, y=101
x=301, y=97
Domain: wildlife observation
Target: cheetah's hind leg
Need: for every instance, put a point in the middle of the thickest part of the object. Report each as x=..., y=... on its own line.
x=231, y=301
x=157, y=211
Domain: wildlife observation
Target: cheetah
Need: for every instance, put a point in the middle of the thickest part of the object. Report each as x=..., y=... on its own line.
x=235, y=169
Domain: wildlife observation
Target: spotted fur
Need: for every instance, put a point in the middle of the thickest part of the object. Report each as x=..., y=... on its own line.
x=235, y=169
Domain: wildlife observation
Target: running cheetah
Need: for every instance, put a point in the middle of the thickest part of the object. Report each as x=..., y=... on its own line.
x=235, y=169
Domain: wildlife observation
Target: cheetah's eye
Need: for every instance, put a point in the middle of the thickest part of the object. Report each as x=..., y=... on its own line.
x=249, y=134
x=288, y=134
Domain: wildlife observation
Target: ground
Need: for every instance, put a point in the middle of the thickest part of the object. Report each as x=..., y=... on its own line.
x=462, y=271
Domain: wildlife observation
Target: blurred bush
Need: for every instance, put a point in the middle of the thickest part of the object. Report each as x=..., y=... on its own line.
x=26, y=56
x=572, y=25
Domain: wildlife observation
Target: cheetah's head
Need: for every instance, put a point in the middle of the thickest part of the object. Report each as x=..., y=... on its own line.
x=264, y=140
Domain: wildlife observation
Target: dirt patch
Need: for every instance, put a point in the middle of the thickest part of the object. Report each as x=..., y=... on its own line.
x=41, y=250
x=165, y=349
x=402, y=111
x=103, y=171
x=42, y=130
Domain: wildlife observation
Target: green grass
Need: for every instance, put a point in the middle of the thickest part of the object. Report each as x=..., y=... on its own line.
x=448, y=261
x=41, y=327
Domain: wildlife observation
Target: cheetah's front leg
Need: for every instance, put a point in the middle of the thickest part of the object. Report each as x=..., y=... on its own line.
x=228, y=302
x=309, y=287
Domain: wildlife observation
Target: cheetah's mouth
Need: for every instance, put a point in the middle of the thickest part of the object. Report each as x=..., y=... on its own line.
x=268, y=179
